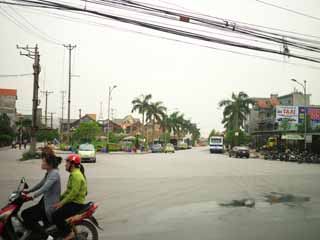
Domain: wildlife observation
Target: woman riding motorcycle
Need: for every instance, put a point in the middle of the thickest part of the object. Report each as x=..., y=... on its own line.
x=73, y=199
x=49, y=188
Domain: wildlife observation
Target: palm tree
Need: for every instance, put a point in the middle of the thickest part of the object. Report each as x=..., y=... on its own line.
x=195, y=131
x=141, y=105
x=176, y=123
x=155, y=114
x=235, y=110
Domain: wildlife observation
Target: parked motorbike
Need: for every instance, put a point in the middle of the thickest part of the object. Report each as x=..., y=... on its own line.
x=12, y=227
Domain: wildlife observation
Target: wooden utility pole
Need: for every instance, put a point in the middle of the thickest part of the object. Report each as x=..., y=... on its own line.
x=46, y=106
x=33, y=53
x=70, y=48
x=79, y=114
x=51, y=119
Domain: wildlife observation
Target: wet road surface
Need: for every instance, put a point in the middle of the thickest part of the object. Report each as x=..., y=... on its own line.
x=179, y=196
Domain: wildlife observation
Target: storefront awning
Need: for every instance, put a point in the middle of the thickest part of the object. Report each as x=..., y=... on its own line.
x=292, y=137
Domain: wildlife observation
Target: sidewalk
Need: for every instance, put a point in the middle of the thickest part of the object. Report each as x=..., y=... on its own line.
x=5, y=148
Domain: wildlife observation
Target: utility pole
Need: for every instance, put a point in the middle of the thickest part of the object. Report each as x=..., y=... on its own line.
x=62, y=112
x=62, y=104
x=101, y=114
x=79, y=114
x=46, y=106
x=109, y=100
x=51, y=119
x=70, y=48
x=304, y=86
x=113, y=111
x=33, y=53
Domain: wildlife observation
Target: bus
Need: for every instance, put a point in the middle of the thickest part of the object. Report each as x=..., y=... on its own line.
x=216, y=144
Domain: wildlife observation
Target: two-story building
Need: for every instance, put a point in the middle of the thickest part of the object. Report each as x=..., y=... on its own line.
x=8, y=98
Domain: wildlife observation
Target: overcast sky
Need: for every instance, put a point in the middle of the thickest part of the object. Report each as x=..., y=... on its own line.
x=189, y=78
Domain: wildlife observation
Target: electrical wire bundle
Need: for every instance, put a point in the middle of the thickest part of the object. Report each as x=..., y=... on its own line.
x=186, y=25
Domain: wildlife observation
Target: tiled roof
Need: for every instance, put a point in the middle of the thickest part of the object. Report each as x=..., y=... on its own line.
x=8, y=92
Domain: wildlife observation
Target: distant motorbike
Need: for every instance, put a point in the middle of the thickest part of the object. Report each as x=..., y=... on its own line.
x=12, y=227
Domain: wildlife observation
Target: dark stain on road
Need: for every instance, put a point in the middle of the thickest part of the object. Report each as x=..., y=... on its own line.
x=275, y=197
x=272, y=198
x=246, y=202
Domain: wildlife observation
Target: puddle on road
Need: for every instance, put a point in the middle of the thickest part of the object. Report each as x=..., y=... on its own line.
x=271, y=198
x=286, y=198
x=246, y=202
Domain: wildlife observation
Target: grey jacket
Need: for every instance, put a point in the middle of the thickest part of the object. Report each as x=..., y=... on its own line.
x=50, y=188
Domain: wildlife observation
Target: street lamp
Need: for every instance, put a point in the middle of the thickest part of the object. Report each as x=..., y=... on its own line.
x=109, y=100
x=305, y=109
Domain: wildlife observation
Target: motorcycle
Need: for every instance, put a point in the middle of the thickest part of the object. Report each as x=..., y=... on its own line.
x=84, y=224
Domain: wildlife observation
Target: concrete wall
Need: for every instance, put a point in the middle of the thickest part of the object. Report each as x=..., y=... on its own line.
x=294, y=99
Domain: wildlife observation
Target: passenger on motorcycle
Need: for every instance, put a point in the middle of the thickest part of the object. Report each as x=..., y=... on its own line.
x=73, y=199
x=50, y=189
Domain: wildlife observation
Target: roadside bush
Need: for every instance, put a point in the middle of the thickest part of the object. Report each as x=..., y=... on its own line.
x=63, y=147
x=30, y=155
x=5, y=140
x=114, y=147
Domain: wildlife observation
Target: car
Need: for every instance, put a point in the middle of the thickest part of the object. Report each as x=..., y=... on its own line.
x=239, y=151
x=168, y=148
x=156, y=148
x=182, y=146
x=87, y=153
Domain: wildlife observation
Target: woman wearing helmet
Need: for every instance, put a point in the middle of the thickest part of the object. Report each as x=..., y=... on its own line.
x=73, y=199
x=49, y=188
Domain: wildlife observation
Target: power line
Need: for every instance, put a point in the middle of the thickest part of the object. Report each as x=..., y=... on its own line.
x=16, y=75
x=80, y=20
x=50, y=39
x=220, y=25
x=25, y=28
x=289, y=10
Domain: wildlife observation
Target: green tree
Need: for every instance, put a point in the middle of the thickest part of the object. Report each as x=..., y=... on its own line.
x=241, y=139
x=284, y=126
x=195, y=131
x=155, y=114
x=6, y=131
x=176, y=123
x=214, y=133
x=87, y=132
x=317, y=129
x=300, y=126
x=47, y=135
x=141, y=105
x=235, y=111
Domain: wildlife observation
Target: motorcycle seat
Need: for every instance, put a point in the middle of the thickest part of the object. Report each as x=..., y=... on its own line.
x=86, y=207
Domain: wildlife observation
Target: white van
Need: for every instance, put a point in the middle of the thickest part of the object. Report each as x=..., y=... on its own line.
x=216, y=144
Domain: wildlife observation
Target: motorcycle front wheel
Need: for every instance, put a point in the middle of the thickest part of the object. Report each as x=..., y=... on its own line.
x=85, y=230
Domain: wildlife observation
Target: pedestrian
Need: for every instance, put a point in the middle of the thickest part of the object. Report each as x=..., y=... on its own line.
x=25, y=142
x=13, y=145
x=20, y=143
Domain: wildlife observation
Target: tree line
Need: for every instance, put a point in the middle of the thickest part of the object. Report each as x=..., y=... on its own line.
x=155, y=113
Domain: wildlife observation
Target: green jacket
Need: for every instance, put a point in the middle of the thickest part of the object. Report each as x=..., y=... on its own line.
x=76, y=188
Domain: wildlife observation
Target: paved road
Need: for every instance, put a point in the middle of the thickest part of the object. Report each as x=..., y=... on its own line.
x=177, y=196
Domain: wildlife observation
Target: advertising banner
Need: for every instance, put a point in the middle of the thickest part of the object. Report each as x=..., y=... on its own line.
x=290, y=113
x=313, y=113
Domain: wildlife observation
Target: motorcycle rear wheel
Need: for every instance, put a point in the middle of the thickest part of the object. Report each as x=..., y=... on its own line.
x=85, y=230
